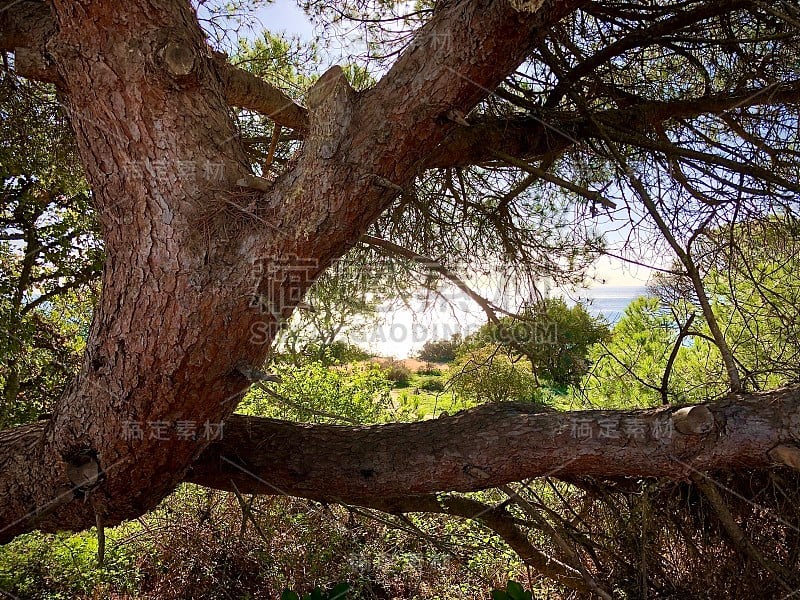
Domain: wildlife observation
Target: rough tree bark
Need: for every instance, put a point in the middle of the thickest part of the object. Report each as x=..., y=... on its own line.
x=201, y=270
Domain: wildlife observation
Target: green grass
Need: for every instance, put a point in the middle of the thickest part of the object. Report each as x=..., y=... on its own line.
x=415, y=402
x=63, y=565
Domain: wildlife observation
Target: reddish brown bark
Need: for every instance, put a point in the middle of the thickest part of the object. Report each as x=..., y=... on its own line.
x=177, y=323
x=189, y=304
x=496, y=444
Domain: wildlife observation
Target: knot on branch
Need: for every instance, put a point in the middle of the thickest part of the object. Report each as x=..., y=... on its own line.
x=33, y=64
x=693, y=420
x=476, y=472
x=786, y=454
x=330, y=103
x=530, y=6
x=83, y=471
x=178, y=58
x=255, y=375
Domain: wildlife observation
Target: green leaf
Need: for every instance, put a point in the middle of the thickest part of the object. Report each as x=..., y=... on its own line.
x=515, y=590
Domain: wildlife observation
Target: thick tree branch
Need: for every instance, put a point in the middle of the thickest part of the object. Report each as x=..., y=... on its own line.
x=27, y=25
x=492, y=445
x=25, y=28
x=476, y=449
x=531, y=136
x=245, y=90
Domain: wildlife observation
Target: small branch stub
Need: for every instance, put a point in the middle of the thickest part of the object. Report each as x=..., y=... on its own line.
x=255, y=375
x=330, y=82
x=693, y=420
x=330, y=101
x=476, y=472
x=786, y=455
x=83, y=471
x=457, y=117
x=179, y=59
x=254, y=183
x=33, y=64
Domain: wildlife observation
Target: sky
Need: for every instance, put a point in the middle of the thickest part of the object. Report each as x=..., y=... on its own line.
x=285, y=16
x=402, y=331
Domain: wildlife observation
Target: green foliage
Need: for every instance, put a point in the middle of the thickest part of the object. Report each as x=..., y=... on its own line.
x=488, y=374
x=513, y=591
x=755, y=294
x=416, y=404
x=56, y=566
x=50, y=253
x=755, y=288
x=315, y=392
x=555, y=338
x=338, y=592
x=286, y=63
x=629, y=367
x=344, y=353
x=341, y=304
x=396, y=372
x=429, y=369
x=440, y=351
x=337, y=352
x=433, y=384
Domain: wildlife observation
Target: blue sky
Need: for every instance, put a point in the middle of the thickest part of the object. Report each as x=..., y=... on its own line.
x=286, y=16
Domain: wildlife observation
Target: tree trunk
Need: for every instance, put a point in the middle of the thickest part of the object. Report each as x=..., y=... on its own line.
x=396, y=466
x=200, y=271
x=204, y=262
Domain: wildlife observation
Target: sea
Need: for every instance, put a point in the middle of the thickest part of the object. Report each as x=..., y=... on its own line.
x=607, y=301
x=402, y=332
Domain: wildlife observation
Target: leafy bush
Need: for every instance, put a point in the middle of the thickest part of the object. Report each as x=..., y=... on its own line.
x=488, y=375
x=63, y=565
x=441, y=351
x=553, y=337
x=397, y=372
x=513, y=591
x=317, y=393
x=434, y=384
x=336, y=353
x=339, y=592
x=429, y=369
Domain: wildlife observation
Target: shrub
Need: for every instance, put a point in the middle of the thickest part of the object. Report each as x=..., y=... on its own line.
x=553, y=337
x=429, y=369
x=513, y=591
x=340, y=352
x=339, y=592
x=315, y=392
x=64, y=565
x=441, y=351
x=435, y=384
x=489, y=375
x=397, y=372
